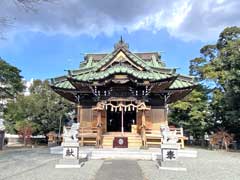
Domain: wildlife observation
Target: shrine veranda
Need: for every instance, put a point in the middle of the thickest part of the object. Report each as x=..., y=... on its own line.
x=123, y=94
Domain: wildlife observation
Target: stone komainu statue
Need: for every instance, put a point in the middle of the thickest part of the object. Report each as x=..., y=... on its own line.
x=168, y=136
x=70, y=134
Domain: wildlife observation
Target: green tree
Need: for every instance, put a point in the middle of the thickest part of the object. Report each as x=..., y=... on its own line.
x=216, y=102
x=191, y=113
x=18, y=110
x=10, y=83
x=218, y=69
x=43, y=107
x=51, y=108
x=10, y=80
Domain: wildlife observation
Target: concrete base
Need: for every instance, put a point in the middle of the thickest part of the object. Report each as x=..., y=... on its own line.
x=171, y=165
x=170, y=146
x=65, y=166
x=70, y=144
x=69, y=163
x=52, y=144
x=172, y=168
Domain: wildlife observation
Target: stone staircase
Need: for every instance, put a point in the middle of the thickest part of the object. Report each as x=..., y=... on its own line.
x=134, y=140
x=123, y=153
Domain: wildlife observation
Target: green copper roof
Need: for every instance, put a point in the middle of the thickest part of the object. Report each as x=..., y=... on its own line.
x=121, y=69
x=136, y=59
x=144, y=66
x=182, y=82
x=177, y=84
x=63, y=83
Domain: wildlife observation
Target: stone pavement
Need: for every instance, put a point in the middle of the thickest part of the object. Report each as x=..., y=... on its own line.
x=39, y=164
x=119, y=170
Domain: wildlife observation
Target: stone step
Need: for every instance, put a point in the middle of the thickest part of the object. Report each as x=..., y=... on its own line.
x=133, y=140
x=130, y=145
x=120, y=134
x=107, y=137
x=157, y=143
x=128, y=138
x=124, y=153
x=137, y=144
x=90, y=141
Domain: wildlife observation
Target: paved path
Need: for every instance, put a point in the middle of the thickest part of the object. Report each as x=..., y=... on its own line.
x=119, y=170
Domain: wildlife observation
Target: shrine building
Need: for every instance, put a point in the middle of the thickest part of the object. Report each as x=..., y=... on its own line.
x=123, y=94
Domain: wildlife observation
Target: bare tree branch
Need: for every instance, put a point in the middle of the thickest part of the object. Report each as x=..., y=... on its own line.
x=27, y=5
x=30, y=5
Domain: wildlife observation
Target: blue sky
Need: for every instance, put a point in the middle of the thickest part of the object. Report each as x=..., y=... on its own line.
x=43, y=56
x=43, y=44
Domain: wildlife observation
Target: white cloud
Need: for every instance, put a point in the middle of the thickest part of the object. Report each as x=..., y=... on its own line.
x=184, y=19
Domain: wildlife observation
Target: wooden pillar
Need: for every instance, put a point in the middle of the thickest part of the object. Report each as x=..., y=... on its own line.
x=82, y=137
x=80, y=126
x=165, y=115
x=122, y=126
x=143, y=131
x=99, y=130
x=98, y=117
x=182, y=138
x=143, y=118
x=166, y=96
x=78, y=113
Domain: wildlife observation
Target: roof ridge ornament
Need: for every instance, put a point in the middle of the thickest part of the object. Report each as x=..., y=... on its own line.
x=121, y=44
x=121, y=39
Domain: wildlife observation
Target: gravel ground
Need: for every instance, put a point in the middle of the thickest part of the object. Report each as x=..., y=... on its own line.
x=208, y=165
x=39, y=164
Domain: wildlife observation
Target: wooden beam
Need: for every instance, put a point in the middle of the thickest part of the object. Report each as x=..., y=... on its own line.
x=78, y=113
x=99, y=130
x=143, y=130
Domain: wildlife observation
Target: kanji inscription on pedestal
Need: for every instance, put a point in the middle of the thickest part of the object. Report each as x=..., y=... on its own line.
x=169, y=154
x=70, y=152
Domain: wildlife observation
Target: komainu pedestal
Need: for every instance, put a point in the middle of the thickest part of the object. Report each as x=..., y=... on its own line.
x=70, y=149
x=70, y=156
x=169, y=151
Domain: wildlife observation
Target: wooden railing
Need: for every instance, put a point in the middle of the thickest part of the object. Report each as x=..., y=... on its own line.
x=155, y=137
x=87, y=135
x=178, y=131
